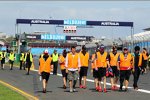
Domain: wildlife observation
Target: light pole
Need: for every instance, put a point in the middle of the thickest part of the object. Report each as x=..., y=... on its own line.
x=132, y=38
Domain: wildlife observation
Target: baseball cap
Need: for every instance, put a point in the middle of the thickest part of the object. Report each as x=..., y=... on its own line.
x=125, y=48
x=46, y=51
x=101, y=47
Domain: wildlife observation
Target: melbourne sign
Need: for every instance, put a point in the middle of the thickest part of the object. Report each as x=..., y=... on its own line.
x=74, y=22
x=53, y=37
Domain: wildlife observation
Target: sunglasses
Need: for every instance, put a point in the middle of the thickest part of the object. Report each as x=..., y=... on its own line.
x=125, y=49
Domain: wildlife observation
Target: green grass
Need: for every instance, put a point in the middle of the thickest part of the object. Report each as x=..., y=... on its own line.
x=8, y=94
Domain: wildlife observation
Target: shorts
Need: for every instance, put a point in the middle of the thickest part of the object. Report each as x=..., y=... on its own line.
x=72, y=75
x=11, y=62
x=101, y=73
x=83, y=71
x=144, y=64
x=125, y=74
x=45, y=76
x=115, y=71
x=63, y=71
x=95, y=73
x=28, y=64
x=3, y=61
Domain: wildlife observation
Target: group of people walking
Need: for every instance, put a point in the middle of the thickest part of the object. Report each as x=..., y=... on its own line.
x=26, y=60
x=116, y=65
x=10, y=56
x=74, y=65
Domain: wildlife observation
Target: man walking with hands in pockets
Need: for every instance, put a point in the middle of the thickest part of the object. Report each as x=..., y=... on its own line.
x=72, y=68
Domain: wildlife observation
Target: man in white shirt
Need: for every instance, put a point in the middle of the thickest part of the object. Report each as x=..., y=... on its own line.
x=72, y=65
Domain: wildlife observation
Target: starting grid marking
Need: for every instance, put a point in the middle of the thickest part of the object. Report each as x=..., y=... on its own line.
x=90, y=80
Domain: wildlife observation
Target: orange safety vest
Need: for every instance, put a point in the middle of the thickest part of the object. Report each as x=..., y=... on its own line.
x=140, y=60
x=62, y=64
x=73, y=61
x=126, y=63
x=45, y=66
x=84, y=59
x=145, y=55
x=101, y=60
x=113, y=59
x=93, y=65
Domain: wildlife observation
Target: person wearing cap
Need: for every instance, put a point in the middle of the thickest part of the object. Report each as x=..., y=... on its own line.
x=113, y=58
x=102, y=58
x=72, y=68
x=94, y=71
x=84, y=59
x=124, y=64
x=145, y=58
x=61, y=61
x=55, y=61
x=45, y=67
x=137, y=63
x=28, y=60
x=11, y=59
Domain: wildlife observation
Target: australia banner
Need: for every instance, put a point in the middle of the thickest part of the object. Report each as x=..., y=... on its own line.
x=74, y=22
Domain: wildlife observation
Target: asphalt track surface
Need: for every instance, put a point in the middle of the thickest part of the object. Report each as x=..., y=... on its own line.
x=32, y=85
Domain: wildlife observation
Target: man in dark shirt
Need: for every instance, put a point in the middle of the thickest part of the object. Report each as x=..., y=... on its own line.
x=29, y=60
x=136, y=66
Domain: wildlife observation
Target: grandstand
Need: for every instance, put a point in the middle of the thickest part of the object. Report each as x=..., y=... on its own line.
x=141, y=39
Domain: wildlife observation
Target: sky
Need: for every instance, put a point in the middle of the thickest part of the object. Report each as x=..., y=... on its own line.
x=132, y=11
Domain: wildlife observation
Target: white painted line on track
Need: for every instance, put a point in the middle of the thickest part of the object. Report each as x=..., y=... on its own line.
x=90, y=80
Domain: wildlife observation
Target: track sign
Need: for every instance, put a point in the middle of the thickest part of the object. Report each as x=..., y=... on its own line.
x=70, y=29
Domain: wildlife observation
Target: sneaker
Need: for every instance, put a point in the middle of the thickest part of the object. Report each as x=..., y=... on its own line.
x=100, y=89
x=97, y=88
x=120, y=89
x=74, y=90
x=105, y=90
x=84, y=87
x=64, y=87
x=44, y=90
x=71, y=90
x=81, y=86
x=126, y=89
x=135, y=88
x=113, y=88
